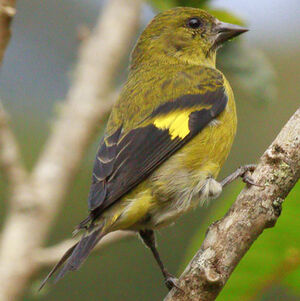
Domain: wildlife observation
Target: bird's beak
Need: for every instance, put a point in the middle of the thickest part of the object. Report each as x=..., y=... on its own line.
x=226, y=31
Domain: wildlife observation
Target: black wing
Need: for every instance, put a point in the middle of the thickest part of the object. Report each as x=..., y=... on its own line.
x=123, y=161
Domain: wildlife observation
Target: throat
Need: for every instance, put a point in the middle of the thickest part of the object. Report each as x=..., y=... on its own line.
x=196, y=58
x=178, y=57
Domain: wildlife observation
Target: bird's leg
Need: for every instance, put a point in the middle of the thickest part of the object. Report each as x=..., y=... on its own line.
x=242, y=172
x=148, y=238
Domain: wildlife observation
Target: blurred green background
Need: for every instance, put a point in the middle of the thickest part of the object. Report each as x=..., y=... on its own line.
x=263, y=68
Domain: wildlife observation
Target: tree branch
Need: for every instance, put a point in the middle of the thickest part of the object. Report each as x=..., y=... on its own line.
x=255, y=209
x=33, y=209
x=10, y=163
x=10, y=159
x=51, y=255
x=7, y=12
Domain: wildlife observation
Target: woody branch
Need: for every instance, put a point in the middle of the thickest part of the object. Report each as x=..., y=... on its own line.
x=256, y=209
x=7, y=12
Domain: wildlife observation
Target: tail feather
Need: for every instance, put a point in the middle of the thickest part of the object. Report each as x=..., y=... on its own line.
x=75, y=256
x=58, y=265
x=80, y=253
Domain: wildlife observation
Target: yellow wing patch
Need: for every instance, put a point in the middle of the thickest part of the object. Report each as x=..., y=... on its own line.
x=176, y=122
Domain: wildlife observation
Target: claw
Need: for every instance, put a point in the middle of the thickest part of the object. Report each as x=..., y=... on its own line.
x=249, y=181
x=242, y=172
x=171, y=282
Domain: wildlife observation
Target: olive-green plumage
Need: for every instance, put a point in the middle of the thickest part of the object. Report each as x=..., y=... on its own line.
x=168, y=134
x=198, y=160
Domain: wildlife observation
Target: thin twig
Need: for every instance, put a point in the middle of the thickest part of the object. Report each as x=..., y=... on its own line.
x=51, y=255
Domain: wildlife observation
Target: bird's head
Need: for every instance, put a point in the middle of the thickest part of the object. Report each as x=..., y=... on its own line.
x=186, y=34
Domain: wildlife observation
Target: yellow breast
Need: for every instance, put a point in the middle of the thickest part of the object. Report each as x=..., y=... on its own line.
x=210, y=148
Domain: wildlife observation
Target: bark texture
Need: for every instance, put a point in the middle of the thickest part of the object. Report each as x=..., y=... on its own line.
x=256, y=209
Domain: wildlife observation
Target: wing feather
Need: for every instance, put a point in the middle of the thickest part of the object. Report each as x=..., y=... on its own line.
x=124, y=161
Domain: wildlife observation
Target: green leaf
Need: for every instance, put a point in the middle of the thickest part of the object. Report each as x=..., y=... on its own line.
x=192, y=3
x=163, y=5
x=166, y=4
x=226, y=16
x=274, y=258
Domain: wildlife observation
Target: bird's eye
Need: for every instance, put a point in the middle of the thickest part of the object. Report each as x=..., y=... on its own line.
x=194, y=23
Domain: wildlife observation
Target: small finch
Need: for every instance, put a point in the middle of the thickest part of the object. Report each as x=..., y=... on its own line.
x=167, y=137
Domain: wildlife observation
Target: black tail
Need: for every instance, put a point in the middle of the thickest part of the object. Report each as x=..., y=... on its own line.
x=76, y=255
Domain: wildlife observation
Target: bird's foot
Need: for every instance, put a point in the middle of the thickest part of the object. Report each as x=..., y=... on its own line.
x=242, y=172
x=171, y=281
x=247, y=179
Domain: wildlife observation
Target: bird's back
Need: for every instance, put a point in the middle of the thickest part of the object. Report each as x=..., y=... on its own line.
x=153, y=85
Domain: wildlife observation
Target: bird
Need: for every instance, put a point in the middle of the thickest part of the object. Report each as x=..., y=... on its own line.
x=167, y=137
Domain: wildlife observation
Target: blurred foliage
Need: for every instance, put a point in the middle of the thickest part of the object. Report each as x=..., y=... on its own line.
x=226, y=16
x=249, y=67
x=166, y=4
x=273, y=260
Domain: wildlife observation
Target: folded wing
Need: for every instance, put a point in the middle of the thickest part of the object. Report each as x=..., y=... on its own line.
x=125, y=159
